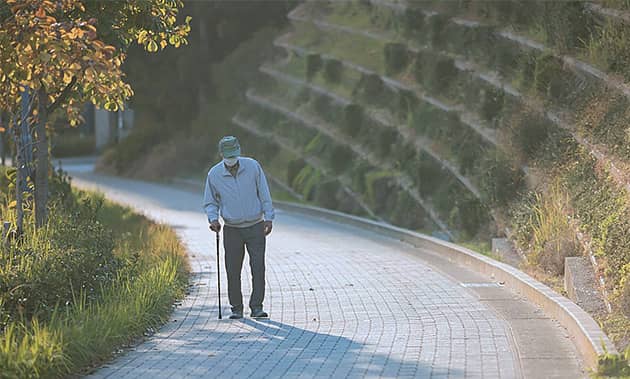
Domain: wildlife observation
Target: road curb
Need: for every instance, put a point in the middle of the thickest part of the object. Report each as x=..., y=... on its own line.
x=589, y=339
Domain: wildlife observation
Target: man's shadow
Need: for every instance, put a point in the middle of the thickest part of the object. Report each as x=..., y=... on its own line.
x=267, y=348
x=297, y=350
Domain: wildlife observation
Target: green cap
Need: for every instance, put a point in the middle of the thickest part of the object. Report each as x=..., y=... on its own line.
x=229, y=147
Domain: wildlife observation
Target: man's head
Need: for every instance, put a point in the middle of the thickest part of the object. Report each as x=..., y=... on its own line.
x=230, y=150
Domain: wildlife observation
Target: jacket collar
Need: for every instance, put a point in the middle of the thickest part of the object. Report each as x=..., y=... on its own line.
x=226, y=172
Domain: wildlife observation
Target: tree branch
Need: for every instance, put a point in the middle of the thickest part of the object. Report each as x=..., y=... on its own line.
x=64, y=95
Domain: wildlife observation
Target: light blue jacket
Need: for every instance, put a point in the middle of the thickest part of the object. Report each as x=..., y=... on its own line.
x=241, y=200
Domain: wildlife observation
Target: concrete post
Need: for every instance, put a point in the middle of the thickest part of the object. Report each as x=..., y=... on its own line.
x=102, y=128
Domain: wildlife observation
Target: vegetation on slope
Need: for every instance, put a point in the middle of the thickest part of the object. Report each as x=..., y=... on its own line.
x=532, y=104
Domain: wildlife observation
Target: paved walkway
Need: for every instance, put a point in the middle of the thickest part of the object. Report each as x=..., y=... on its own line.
x=343, y=303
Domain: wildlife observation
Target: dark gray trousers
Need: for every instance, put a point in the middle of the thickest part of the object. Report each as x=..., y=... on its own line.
x=234, y=242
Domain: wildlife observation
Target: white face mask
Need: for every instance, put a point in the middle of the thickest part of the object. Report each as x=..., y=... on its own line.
x=230, y=161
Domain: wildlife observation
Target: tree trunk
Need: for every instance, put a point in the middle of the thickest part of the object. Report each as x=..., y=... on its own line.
x=19, y=178
x=41, y=172
x=3, y=147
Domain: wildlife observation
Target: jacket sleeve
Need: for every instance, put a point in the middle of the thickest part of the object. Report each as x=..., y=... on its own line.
x=264, y=194
x=211, y=201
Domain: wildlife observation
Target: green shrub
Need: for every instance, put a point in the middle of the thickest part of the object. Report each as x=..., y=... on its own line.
x=470, y=215
x=297, y=133
x=530, y=132
x=304, y=96
x=293, y=169
x=367, y=4
x=429, y=175
x=492, y=104
x=317, y=145
x=408, y=213
x=557, y=149
x=456, y=37
x=94, y=278
x=396, y=57
x=353, y=119
x=333, y=69
x=266, y=149
x=358, y=171
x=424, y=119
x=72, y=145
x=444, y=195
x=340, y=157
x=324, y=108
x=404, y=156
x=513, y=11
x=73, y=253
x=549, y=77
x=606, y=117
x=506, y=58
x=371, y=88
x=442, y=73
x=382, y=140
x=380, y=191
x=610, y=46
x=447, y=128
x=467, y=150
x=407, y=101
x=436, y=25
x=326, y=194
x=419, y=63
x=313, y=65
x=413, y=22
x=146, y=134
x=305, y=182
x=617, y=4
x=470, y=93
x=566, y=24
x=614, y=365
x=483, y=42
x=501, y=181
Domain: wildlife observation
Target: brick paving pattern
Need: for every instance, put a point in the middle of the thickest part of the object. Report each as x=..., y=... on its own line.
x=342, y=303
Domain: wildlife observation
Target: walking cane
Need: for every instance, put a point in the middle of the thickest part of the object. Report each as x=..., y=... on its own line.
x=218, y=276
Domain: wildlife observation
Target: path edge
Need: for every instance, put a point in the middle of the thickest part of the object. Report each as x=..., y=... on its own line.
x=590, y=341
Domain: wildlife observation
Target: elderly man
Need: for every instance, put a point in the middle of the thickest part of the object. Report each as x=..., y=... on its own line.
x=236, y=188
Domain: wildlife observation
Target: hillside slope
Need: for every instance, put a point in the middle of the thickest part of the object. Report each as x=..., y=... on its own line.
x=467, y=119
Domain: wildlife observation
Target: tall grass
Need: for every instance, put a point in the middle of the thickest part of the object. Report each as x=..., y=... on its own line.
x=544, y=229
x=75, y=294
x=88, y=332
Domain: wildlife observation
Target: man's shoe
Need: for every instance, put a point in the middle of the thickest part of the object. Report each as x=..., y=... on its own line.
x=236, y=315
x=259, y=313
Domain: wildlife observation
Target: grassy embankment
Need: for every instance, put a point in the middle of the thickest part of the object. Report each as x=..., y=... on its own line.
x=575, y=190
x=571, y=189
x=95, y=279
